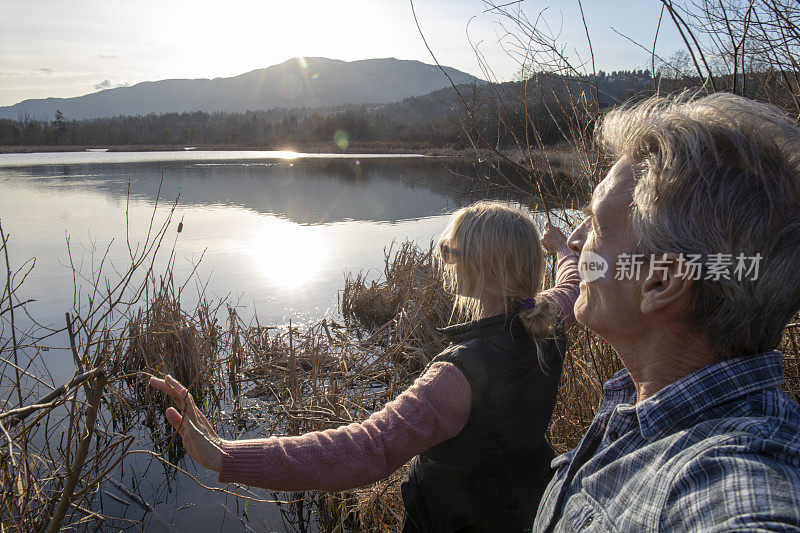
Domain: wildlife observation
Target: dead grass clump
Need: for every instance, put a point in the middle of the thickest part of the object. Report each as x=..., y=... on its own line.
x=380, y=506
x=589, y=363
x=408, y=303
x=165, y=339
x=327, y=374
x=370, y=304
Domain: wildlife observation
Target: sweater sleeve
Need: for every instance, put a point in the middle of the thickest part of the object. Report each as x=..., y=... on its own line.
x=566, y=289
x=435, y=408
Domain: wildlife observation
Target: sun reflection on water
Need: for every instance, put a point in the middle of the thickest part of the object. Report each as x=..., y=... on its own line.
x=287, y=254
x=284, y=154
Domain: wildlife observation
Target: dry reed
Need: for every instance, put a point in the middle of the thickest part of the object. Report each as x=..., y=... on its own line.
x=347, y=372
x=327, y=374
x=164, y=339
x=308, y=378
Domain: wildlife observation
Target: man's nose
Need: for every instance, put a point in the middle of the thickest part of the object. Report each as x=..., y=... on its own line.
x=577, y=238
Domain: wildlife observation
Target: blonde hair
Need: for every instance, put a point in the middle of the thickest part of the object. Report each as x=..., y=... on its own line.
x=496, y=251
x=718, y=174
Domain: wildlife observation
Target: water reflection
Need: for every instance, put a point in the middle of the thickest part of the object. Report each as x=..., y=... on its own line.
x=287, y=254
x=277, y=236
x=93, y=157
x=307, y=192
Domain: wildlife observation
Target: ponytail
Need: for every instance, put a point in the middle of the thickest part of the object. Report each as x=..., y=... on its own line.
x=539, y=319
x=538, y=316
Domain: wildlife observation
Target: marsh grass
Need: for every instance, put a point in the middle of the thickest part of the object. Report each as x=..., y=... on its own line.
x=589, y=362
x=275, y=380
x=60, y=442
x=165, y=339
x=272, y=379
x=343, y=373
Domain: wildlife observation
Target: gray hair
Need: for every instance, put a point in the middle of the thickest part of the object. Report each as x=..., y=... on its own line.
x=718, y=174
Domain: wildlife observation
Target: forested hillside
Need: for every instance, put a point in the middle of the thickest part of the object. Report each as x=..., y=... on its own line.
x=438, y=118
x=450, y=117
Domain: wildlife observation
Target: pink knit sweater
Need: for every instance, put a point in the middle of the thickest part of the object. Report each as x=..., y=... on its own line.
x=435, y=408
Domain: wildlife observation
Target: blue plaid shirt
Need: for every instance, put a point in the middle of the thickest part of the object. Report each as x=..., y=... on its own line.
x=718, y=450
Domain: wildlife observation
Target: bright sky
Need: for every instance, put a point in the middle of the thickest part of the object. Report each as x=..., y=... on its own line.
x=62, y=49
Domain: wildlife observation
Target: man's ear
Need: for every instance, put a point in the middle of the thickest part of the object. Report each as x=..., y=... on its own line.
x=664, y=282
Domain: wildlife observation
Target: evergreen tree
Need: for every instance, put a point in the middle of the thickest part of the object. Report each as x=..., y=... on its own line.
x=59, y=127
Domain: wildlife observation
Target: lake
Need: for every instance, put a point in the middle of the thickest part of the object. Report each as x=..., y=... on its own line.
x=277, y=232
x=275, y=235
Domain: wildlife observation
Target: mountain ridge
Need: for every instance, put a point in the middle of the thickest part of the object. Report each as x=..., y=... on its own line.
x=296, y=82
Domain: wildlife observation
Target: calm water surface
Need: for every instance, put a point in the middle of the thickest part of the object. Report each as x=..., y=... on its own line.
x=276, y=232
x=275, y=235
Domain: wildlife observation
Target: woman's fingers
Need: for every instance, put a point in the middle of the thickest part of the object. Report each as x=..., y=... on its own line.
x=552, y=238
x=165, y=387
x=198, y=417
x=554, y=230
x=176, y=420
x=202, y=446
x=158, y=384
x=192, y=412
x=174, y=383
x=184, y=425
x=198, y=435
x=179, y=389
x=170, y=386
x=184, y=401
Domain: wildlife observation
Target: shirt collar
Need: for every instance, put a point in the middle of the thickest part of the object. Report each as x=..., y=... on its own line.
x=710, y=386
x=619, y=389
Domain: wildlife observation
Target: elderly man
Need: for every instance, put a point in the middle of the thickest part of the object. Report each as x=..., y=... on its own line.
x=690, y=252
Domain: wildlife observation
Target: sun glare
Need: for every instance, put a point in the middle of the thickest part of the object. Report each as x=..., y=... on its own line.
x=285, y=154
x=287, y=254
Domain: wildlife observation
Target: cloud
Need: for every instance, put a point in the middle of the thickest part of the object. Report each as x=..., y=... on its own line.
x=106, y=84
x=107, y=56
x=13, y=73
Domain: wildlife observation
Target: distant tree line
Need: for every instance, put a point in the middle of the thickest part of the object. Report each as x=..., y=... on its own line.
x=437, y=119
x=543, y=105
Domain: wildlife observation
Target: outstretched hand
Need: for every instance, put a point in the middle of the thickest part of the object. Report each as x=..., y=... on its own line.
x=553, y=238
x=199, y=437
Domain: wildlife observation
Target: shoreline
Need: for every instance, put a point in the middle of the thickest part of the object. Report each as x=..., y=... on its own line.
x=318, y=148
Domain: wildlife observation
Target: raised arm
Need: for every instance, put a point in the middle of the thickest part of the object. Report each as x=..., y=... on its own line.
x=566, y=288
x=435, y=408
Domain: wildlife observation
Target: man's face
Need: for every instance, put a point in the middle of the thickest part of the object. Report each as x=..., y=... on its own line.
x=608, y=306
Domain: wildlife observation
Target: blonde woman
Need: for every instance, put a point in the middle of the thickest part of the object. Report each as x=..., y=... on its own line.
x=474, y=422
